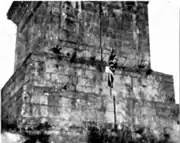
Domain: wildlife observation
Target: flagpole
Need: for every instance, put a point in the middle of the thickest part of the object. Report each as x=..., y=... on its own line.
x=111, y=70
x=114, y=105
x=100, y=11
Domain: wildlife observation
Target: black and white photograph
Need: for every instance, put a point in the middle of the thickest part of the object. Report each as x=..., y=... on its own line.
x=90, y=71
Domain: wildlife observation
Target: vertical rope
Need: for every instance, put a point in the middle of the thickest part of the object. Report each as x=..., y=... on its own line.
x=45, y=28
x=136, y=32
x=100, y=11
x=50, y=25
x=59, y=24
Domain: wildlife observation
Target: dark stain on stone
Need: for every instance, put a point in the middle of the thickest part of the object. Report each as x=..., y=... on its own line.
x=73, y=58
x=92, y=58
x=69, y=21
x=89, y=15
x=141, y=66
x=149, y=72
x=100, y=67
x=65, y=86
x=59, y=57
x=67, y=33
x=57, y=66
x=68, y=54
x=56, y=50
x=40, y=67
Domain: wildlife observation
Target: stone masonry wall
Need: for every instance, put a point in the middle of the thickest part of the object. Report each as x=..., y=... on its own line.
x=86, y=76
x=68, y=86
x=96, y=27
x=13, y=93
x=75, y=93
x=158, y=116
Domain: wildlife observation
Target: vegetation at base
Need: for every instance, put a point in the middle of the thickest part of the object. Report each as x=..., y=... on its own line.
x=139, y=134
x=31, y=135
x=125, y=135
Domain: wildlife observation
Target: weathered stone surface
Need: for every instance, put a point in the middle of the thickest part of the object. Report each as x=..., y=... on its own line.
x=62, y=49
x=50, y=83
x=157, y=116
x=85, y=28
x=13, y=92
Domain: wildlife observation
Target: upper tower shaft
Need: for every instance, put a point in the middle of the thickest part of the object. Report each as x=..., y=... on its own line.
x=95, y=27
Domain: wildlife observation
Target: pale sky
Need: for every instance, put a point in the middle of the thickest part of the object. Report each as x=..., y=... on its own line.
x=164, y=40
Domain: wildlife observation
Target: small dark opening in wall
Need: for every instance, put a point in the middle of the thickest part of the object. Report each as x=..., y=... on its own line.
x=57, y=66
x=141, y=66
x=69, y=21
x=113, y=14
x=167, y=135
x=73, y=58
x=92, y=58
x=59, y=58
x=68, y=54
x=68, y=3
x=82, y=5
x=178, y=122
x=77, y=6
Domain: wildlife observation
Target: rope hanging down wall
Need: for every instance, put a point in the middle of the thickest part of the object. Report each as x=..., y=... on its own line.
x=100, y=12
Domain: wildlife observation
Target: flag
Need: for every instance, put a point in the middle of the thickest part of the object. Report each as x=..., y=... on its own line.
x=112, y=61
x=110, y=76
x=110, y=79
x=111, y=69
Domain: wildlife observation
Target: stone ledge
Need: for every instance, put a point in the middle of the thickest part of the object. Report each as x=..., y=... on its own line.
x=102, y=64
